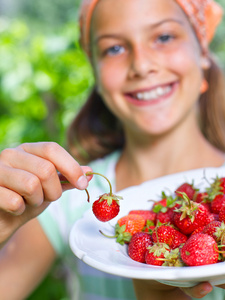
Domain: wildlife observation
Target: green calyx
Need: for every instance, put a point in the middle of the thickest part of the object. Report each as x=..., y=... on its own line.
x=158, y=249
x=110, y=198
x=215, y=189
x=170, y=203
x=187, y=208
x=220, y=231
x=121, y=235
x=173, y=259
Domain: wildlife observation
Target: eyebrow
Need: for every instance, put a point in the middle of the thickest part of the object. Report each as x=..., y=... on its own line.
x=152, y=26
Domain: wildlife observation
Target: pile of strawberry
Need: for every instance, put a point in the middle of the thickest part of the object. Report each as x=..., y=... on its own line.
x=185, y=229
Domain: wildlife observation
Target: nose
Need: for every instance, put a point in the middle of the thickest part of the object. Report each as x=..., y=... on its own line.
x=142, y=62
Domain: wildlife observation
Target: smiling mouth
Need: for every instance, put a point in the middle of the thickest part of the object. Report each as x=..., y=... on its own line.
x=158, y=92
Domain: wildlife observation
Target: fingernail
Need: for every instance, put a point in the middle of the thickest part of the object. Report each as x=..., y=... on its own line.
x=82, y=182
x=207, y=289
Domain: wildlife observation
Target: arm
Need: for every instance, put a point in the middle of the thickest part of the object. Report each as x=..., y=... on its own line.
x=29, y=181
x=24, y=261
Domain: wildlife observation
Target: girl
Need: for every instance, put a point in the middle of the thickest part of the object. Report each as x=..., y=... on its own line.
x=159, y=101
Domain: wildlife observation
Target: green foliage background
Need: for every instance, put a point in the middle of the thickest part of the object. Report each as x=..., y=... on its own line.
x=44, y=76
x=44, y=79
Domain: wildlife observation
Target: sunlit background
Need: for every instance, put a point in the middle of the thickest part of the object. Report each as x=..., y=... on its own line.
x=44, y=79
x=44, y=76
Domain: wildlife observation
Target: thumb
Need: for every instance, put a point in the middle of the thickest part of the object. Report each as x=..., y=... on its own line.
x=198, y=291
x=66, y=185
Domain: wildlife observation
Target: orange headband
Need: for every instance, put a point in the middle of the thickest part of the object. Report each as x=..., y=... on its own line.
x=204, y=15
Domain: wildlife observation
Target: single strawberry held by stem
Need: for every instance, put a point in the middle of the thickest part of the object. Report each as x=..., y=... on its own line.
x=107, y=206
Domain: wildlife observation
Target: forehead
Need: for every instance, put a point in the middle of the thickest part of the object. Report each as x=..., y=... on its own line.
x=112, y=14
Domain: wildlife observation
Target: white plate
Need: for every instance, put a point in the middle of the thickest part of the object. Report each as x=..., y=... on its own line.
x=108, y=256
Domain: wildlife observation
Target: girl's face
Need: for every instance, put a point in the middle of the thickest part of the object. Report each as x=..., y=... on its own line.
x=148, y=63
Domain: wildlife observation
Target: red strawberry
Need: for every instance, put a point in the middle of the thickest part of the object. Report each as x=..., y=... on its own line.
x=155, y=255
x=214, y=229
x=149, y=227
x=159, y=204
x=105, y=208
x=126, y=227
x=200, y=249
x=168, y=235
x=218, y=185
x=188, y=189
x=216, y=194
x=207, y=205
x=178, y=240
x=166, y=203
x=198, y=230
x=138, y=246
x=222, y=214
x=164, y=217
x=164, y=208
x=222, y=249
x=146, y=214
x=163, y=234
x=212, y=217
x=222, y=184
x=190, y=215
x=217, y=203
x=133, y=223
x=201, y=197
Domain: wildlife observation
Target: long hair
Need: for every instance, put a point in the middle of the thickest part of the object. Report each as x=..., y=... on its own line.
x=212, y=107
x=96, y=132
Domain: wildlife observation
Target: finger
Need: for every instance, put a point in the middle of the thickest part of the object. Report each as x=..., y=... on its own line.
x=222, y=286
x=61, y=159
x=87, y=169
x=11, y=202
x=38, y=174
x=198, y=291
x=21, y=182
x=66, y=185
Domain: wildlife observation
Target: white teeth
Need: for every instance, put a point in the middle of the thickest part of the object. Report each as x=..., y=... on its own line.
x=153, y=94
x=160, y=91
x=139, y=96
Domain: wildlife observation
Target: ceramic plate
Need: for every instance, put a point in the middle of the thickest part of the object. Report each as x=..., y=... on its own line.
x=104, y=254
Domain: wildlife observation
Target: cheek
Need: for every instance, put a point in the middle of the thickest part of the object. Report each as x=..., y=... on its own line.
x=108, y=77
x=185, y=62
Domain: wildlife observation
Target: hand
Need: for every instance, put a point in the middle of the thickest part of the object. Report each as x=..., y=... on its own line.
x=159, y=291
x=29, y=181
x=198, y=291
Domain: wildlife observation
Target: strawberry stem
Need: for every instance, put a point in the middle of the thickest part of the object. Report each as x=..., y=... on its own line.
x=88, y=196
x=95, y=173
x=108, y=236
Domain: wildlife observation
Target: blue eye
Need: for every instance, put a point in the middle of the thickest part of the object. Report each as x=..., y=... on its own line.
x=115, y=50
x=165, y=38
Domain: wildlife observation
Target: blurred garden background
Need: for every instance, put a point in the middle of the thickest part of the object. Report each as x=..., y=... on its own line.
x=44, y=79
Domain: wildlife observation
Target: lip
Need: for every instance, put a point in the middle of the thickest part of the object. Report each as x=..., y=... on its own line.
x=130, y=99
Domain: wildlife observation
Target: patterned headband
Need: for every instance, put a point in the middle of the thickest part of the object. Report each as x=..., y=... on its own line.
x=204, y=15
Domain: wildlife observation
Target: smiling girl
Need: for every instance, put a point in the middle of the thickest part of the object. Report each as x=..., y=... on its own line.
x=157, y=108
